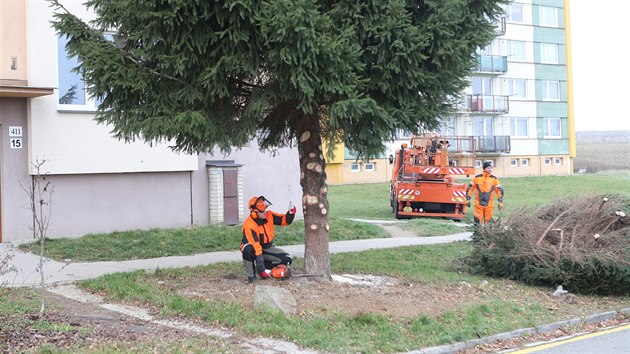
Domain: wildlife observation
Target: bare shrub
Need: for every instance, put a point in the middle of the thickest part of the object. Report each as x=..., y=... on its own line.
x=5, y=267
x=40, y=193
x=582, y=243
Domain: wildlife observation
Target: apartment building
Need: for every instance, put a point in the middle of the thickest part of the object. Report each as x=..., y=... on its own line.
x=518, y=106
x=101, y=184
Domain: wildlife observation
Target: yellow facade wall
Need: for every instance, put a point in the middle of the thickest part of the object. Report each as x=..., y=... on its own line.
x=13, y=54
x=551, y=165
x=338, y=152
x=342, y=173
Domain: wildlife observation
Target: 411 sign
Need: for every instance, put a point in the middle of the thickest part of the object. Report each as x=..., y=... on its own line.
x=15, y=137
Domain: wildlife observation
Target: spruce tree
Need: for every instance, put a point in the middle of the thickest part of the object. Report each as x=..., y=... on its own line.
x=215, y=74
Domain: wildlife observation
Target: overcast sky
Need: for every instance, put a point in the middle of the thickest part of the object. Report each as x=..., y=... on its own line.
x=601, y=65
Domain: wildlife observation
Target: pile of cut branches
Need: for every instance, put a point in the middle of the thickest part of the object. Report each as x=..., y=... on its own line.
x=582, y=243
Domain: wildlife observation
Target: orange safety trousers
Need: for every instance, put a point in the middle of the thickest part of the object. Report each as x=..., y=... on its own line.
x=483, y=214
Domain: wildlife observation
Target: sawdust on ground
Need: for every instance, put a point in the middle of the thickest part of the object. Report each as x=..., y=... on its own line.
x=394, y=297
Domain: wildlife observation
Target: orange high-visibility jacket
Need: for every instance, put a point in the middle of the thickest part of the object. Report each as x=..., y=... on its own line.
x=261, y=236
x=485, y=184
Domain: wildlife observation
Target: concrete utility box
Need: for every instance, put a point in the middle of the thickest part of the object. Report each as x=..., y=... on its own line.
x=225, y=192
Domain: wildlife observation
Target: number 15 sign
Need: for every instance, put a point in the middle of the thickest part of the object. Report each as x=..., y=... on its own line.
x=15, y=137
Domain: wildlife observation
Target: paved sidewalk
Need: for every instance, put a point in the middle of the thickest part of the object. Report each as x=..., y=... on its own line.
x=24, y=265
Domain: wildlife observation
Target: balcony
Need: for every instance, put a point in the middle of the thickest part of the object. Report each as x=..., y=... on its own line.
x=494, y=64
x=491, y=104
x=494, y=144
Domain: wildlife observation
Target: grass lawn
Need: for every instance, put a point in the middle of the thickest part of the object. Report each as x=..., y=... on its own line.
x=374, y=204
x=467, y=310
x=504, y=306
x=186, y=241
x=519, y=192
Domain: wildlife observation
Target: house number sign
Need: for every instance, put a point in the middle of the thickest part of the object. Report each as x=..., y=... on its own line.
x=15, y=137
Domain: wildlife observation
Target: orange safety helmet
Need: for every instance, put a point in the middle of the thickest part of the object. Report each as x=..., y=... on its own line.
x=259, y=203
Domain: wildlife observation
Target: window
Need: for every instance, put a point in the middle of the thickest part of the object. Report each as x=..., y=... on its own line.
x=72, y=91
x=517, y=88
x=355, y=167
x=71, y=88
x=481, y=86
x=487, y=50
x=515, y=12
x=448, y=127
x=547, y=161
x=370, y=167
x=558, y=161
x=524, y=162
x=516, y=50
x=551, y=90
x=518, y=127
x=478, y=163
x=483, y=126
x=551, y=127
x=549, y=53
x=548, y=16
x=514, y=162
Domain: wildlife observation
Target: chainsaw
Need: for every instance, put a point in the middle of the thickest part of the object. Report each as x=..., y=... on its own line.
x=281, y=271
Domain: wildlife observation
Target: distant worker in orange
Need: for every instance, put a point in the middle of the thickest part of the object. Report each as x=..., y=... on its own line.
x=259, y=253
x=486, y=185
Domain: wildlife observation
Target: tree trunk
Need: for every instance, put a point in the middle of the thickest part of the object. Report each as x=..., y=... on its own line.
x=314, y=196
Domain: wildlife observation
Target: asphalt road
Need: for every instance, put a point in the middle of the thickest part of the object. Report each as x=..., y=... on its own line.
x=609, y=341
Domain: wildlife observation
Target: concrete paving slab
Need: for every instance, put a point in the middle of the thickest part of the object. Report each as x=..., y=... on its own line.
x=24, y=266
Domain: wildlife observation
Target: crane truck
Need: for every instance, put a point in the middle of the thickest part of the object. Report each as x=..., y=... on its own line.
x=423, y=182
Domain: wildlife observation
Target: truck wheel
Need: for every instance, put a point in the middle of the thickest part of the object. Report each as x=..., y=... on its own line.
x=395, y=208
x=392, y=202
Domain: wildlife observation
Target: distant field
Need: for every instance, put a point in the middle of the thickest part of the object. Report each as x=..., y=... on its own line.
x=602, y=157
x=601, y=151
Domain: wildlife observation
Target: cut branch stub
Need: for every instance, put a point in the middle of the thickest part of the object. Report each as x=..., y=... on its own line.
x=305, y=136
x=542, y=237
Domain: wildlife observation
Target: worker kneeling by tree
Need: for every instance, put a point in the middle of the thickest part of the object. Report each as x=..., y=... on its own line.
x=259, y=254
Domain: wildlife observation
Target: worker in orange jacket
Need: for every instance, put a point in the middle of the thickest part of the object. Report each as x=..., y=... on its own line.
x=487, y=185
x=259, y=253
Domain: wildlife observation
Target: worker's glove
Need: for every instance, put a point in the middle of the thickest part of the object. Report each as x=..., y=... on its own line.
x=500, y=206
x=266, y=274
x=292, y=208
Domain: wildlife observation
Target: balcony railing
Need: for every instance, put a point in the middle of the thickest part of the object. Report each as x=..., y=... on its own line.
x=488, y=104
x=493, y=144
x=501, y=26
x=491, y=64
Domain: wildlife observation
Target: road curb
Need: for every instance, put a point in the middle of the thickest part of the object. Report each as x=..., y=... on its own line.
x=455, y=347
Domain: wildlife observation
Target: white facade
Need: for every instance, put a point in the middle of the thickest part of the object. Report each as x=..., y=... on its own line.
x=70, y=141
x=101, y=184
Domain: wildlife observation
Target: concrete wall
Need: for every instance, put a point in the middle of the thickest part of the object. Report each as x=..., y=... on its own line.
x=276, y=176
x=97, y=203
x=14, y=201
